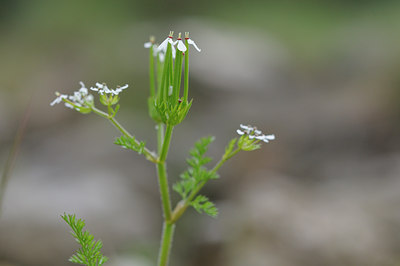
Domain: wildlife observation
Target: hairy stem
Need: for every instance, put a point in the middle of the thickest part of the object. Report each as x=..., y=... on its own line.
x=168, y=228
x=167, y=141
x=166, y=243
x=160, y=136
x=164, y=190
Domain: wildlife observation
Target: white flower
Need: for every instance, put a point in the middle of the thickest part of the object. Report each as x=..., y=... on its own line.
x=59, y=98
x=149, y=43
x=181, y=45
x=164, y=45
x=240, y=132
x=161, y=56
x=190, y=41
x=254, y=133
x=119, y=89
x=162, y=48
x=79, y=98
x=103, y=89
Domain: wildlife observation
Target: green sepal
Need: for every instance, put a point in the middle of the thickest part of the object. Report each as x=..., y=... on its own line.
x=153, y=113
x=83, y=110
x=172, y=113
x=114, y=99
x=109, y=100
x=247, y=144
x=104, y=99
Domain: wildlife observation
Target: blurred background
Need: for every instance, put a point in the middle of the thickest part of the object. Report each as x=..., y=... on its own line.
x=321, y=75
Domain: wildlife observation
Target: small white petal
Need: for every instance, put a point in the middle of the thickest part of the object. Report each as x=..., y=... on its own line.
x=260, y=137
x=147, y=45
x=163, y=46
x=251, y=136
x=82, y=84
x=83, y=91
x=161, y=57
x=99, y=85
x=244, y=127
x=77, y=95
x=257, y=131
x=190, y=41
x=124, y=87
x=181, y=46
x=89, y=98
x=266, y=140
x=240, y=132
x=270, y=137
x=173, y=52
x=69, y=105
x=155, y=49
x=106, y=89
x=94, y=89
x=56, y=100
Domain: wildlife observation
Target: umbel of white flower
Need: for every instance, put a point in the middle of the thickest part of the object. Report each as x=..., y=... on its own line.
x=80, y=98
x=254, y=133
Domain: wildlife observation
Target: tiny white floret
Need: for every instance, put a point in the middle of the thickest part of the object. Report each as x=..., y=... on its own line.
x=254, y=133
x=239, y=132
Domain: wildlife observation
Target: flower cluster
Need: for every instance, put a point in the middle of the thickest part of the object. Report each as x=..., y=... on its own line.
x=82, y=101
x=103, y=89
x=161, y=49
x=78, y=99
x=254, y=133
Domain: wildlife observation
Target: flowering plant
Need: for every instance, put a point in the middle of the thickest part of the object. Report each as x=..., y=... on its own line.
x=168, y=106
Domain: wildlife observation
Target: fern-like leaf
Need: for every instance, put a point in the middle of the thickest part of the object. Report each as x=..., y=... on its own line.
x=203, y=204
x=90, y=251
x=130, y=143
x=197, y=172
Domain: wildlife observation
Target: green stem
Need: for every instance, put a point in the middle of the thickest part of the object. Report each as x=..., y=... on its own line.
x=160, y=136
x=166, y=243
x=162, y=174
x=167, y=141
x=164, y=190
x=149, y=154
x=184, y=204
x=168, y=228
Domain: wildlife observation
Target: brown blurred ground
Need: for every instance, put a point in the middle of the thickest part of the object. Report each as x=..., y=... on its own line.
x=321, y=76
